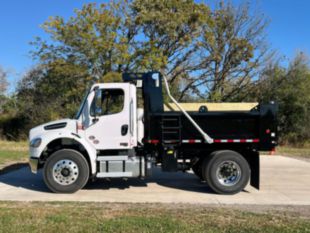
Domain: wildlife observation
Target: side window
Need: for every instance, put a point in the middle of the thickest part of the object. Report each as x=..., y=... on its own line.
x=107, y=102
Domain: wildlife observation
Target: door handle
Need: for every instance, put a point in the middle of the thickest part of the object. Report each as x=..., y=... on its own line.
x=124, y=130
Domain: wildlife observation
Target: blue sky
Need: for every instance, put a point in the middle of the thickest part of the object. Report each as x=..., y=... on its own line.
x=20, y=20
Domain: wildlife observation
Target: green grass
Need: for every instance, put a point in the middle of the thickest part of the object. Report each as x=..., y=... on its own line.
x=293, y=151
x=12, y=152
x=104, y=217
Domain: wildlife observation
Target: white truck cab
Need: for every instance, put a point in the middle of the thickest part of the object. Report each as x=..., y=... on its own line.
x=106, y=121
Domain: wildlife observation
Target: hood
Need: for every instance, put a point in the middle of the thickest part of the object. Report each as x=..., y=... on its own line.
x=59, y=125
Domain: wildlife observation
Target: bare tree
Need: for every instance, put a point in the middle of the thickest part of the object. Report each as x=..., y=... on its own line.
x=3, y=81
x=3, y=88
x=232, y=52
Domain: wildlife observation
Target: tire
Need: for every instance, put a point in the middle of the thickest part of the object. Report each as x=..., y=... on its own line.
x=66, y=171
x=197, y=169
x=226, y=172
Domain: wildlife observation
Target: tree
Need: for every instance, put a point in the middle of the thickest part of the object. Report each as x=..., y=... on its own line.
x=289, y=87
x=204, y=54
x=122, y=36
x=93, y=39
x=3, y=81
x=50, y=92
x=3, y=88
x=232, y=52
x=169, y=30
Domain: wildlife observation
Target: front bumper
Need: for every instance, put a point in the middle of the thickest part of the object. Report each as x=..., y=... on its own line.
x=34, y=162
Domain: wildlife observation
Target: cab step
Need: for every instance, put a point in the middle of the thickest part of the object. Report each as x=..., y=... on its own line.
x=113, y=174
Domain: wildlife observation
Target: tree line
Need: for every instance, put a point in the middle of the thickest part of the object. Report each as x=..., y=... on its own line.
x=208, y=54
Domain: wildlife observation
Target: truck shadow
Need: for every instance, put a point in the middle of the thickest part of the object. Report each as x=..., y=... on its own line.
x=23, y=178
x=176, y=180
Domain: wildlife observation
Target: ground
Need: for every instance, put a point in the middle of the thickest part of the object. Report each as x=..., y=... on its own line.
x=282, y=205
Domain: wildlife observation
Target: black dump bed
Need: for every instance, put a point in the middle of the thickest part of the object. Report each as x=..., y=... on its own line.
x=256, y=127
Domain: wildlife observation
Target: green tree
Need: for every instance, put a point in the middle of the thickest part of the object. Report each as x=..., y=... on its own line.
x=127, y=36
x=169, y=30
x=209, y=55
x=204, y=54
x=134, y=36
x=51, y=92
x=289, y=87
x=92, y=39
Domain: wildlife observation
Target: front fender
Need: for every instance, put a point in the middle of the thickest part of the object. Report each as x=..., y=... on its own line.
x=51, y=136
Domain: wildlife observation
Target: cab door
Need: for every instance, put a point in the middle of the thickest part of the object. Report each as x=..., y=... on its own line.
x=110, y=121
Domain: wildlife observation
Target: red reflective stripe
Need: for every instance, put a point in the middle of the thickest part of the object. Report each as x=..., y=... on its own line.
x=217, y=140
x=230, y=140
x=242, y=140
x=153, y=141
x=191, y=141
x=255, y=140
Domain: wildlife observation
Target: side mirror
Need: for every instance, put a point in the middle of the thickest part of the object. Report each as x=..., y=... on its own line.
x=98, y=110
x=95, y=109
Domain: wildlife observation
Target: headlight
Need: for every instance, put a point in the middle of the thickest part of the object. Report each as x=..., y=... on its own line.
x=35, y=142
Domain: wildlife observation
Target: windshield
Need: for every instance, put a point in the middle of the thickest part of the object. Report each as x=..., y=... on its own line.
x=77, y=116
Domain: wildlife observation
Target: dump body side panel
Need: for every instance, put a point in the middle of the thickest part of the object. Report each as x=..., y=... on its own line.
x=256, y=127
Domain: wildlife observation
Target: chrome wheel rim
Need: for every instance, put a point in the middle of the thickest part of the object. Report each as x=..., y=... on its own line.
x=228, y=173
x=65, y=172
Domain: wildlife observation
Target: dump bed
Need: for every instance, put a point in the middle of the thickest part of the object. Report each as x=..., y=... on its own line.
x=256, y=127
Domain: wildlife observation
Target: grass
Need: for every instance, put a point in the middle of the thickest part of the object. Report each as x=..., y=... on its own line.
x=105, y=217
x=293, y=151
x=13, y=152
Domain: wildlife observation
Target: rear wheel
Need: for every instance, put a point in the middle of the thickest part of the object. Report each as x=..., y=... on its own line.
x=66, y=171
x=226, y=172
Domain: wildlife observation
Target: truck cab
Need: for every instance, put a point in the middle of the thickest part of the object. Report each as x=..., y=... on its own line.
x=114, y=136
x=108, y=117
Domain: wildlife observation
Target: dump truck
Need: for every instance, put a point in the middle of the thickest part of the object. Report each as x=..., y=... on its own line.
x=123, y=130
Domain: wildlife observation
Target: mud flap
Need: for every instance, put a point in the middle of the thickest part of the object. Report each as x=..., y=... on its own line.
x=169, y=161
x=254, y=163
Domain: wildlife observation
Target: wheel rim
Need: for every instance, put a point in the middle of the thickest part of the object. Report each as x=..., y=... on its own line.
x=228, y=173
x=65, y=172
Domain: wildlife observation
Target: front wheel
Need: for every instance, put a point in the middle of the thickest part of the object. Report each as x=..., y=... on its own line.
x=66, y=171
x=226, y=172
